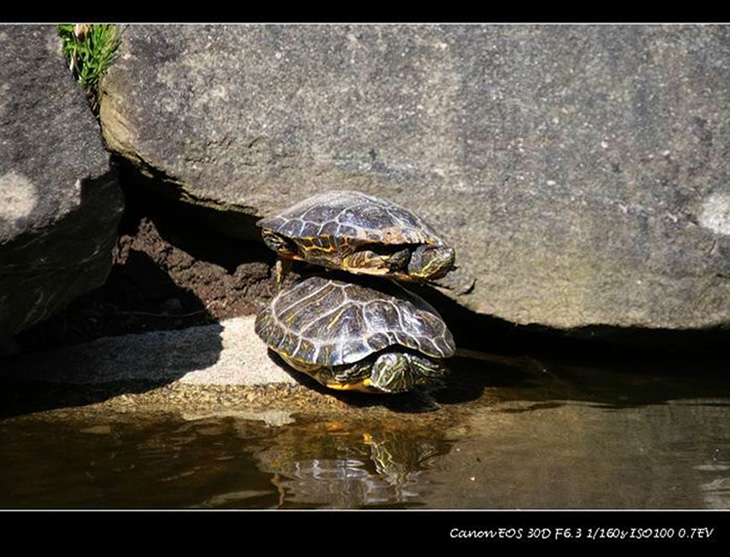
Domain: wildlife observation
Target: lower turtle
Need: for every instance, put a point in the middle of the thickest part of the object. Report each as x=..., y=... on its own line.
x=358, y=335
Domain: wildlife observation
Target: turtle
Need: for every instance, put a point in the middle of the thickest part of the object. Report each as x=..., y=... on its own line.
x=358, y=233
x=357, y=335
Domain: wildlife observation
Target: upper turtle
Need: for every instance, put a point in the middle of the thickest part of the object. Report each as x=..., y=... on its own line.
x=359, y=233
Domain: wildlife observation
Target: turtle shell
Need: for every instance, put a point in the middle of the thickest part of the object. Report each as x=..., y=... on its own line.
x=328, y=322
x=354, y=216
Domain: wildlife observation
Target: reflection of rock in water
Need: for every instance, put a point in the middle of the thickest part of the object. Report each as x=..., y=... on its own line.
x=351, y=469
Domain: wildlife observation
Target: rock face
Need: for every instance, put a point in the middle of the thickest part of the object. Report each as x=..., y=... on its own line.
x=60, y=203
x=581, y=172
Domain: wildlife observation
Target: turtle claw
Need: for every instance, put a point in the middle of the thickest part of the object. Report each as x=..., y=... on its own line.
x=424, y=397
x=438, y=285
x=281, y=269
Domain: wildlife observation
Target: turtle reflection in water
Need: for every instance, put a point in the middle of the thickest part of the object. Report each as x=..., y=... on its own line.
x=377, y=464
x=375, y=337
x=358, y=233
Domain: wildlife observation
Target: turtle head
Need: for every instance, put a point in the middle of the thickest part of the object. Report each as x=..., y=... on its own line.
x=280, y=244
x=431, y=262
x=391, y=373
x=397, y=372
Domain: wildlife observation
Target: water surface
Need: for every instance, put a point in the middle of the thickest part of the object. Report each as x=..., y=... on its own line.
x=571, y=437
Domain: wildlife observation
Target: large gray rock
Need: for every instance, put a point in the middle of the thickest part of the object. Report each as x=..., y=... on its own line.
x=60, y=203
x=581, y=171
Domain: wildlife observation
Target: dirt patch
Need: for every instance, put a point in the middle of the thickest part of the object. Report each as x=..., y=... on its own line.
x=177, y=282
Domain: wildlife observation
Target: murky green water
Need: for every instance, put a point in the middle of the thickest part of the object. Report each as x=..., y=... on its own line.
x=574, y=438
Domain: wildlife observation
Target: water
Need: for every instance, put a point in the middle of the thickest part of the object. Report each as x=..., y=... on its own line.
x=574, y=437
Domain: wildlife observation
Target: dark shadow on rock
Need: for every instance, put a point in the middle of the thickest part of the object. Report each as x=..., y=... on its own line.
x=138, y=297
x=539, y=382
x=597, y=346
x=125, y=337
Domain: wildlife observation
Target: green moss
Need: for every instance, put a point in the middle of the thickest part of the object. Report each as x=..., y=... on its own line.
x=89, y=51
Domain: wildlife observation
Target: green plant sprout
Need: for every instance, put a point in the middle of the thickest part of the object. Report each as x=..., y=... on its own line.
x=89, y=50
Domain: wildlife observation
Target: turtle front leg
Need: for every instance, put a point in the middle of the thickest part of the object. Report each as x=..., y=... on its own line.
x=285, y=250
